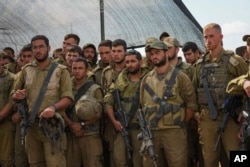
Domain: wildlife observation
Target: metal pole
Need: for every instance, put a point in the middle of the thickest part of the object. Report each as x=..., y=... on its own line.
x=102, y=19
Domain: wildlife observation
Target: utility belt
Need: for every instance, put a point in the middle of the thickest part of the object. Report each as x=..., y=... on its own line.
x=218, y=96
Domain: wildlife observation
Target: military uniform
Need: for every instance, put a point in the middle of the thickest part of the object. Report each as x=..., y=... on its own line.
x=170, y=125
x=98, y=71
x=38, y=146
x=60, y=60
x=218, y=73
x=13, y=67
x=109, y=75
x=129, y=92
x=86, y=150
x=235, y=86
x=7, y=127
x=147, y=64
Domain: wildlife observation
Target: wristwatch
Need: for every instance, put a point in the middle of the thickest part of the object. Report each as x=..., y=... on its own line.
x=82, y=124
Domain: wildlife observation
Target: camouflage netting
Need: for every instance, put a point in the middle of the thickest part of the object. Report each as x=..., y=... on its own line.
x=132, y=20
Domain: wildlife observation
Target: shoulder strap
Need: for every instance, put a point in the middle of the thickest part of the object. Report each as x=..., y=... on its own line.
x=161, y=101
x=135, y=103
x=34, y=112
x=83, y=89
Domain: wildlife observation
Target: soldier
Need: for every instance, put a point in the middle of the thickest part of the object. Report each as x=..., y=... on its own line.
x=69, y=39
x=147, y=62
x=127, y=83
x=57, y=96
x=109, y=75
x=90, y=53
x=173, y=50
x=212, y=74
x=168, y=100
x=163, y=36
x=105, y=51
x=191, y=52
x=10, y=51
x=73, y=52
x=21, y=158
x=84, y=146
x=57, y=53
x=7, y=127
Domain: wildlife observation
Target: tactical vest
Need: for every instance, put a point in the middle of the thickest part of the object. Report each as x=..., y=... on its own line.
x=217, y=78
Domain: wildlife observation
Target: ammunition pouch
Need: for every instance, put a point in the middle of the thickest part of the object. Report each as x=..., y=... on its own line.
x=172, y=114
x=218, y=96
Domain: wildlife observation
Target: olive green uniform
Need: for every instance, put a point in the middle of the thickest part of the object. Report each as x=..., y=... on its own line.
x=194, y=149
x=235, y=86
x=12, y=67
x=38, y=146
x=169, y=134
x=185, y=67
x=7, y=127
x=86, y=150
x=226, y=67
x=128, y=91
x=109, y=75
x=98, y=71
x=147, y=64
x=60, y=60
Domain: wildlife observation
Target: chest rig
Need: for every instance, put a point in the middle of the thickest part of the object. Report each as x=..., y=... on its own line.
x=164, y=106
x=212, y=86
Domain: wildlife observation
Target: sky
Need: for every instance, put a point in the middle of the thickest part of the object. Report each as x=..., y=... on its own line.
x=232, y=15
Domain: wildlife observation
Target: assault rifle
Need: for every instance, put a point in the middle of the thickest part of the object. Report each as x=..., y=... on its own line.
x=146, y=137
x=245, y=140
x=229, y=107
x=122, y=117
x=23, y=109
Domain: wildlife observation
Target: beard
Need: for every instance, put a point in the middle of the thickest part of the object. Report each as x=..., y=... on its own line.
x=171, y=57
x=42, y=59
x=161, y=62
x=134, y=70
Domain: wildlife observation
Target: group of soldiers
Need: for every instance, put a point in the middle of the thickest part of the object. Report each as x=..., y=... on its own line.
x=76, y=110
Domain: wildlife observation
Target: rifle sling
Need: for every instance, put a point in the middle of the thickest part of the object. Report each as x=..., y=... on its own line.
x=213, y=112
x=82, y=90
x=161, y=101
x=135, y=104
x=39, y=99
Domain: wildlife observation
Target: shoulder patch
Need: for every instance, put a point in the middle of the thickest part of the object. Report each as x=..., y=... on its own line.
x=233, y=61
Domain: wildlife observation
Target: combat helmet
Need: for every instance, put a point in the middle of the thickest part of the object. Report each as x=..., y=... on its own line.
x=53, y=129
x=88, y=107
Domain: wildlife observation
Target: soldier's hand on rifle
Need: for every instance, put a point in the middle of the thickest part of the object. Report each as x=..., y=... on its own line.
x=246, y=87
x=16, y=117
x=19, y=94
x=118, y=126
